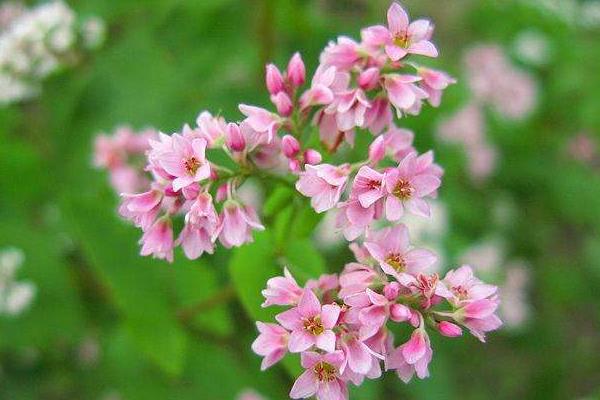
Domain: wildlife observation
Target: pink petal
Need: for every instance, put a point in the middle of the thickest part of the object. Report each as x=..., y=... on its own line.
x=418, y=207
x=393, y=208
x=397, y=18
x=326, y=341
x=424, y=48
x=290, y=319
x=305, y=386
x=329, y=315
x=415, y=348
x=418, y=260
x=309, y=305
x=300, y=340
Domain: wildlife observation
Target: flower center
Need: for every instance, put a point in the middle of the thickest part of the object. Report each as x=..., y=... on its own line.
x=374, y=184
x=314, y=325
x=402, y=40
x=403, y=190
x=426, y=284
x=396, y=261
x=191, y=165
x=460, y=292
x=325, y=372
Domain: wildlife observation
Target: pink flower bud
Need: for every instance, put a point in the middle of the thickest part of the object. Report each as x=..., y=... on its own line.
x=296, y=73
x=235, y=140
x=449, y=329
x=369, y=78
x=391, y=290
x=312, y=157
x=377, y=150
x=400, y=313
x=415, y=318
x=294, y=165
x=283, y=103
x=213, y=175
x=290, y=146
x=222, y=192
x=274, y=79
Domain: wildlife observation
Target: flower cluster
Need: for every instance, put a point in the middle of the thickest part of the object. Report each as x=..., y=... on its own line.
x=36, y=42
x=357, y=86
x=15, y=296
x=121, y=154
x=496, y=83
x=342, y=325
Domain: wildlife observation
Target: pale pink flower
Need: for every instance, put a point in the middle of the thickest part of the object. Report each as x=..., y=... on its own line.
x=352, y=218
x=349, y=108
x=282, y=291
x=407, y=38
x=355, y=278
x=434, y=82
x=201, y=225
x=379, y=115
x=466, y=287
x=407, y=186
x=271, y=343
x=185, y=161
x=583, y=147
x=478, y=316
x=466, y=126
x=398, y=142
x=212, y=129
x=342, y=54
x=358, y=356
x=141, y=208
x=237, y=223
x=261, y=120
x=396, y=257
x=403, y=93
x=321, y=378
x=324, y=184
x=412, y=357
x=158, y=240
x=325, y=83
x=311, y=324
x=368, y=186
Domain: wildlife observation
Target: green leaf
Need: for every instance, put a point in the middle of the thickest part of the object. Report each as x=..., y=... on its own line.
x=304, y=260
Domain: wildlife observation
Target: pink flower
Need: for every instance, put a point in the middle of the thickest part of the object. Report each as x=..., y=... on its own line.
x=201, y=224
x=355, y=278
x=311, y=324
x=412, y=357
x=349, y=108
x=324, y=184
x=478, y=316
x=379, y=115
x=342, y=54
x=465, y=287
x=398, y=142
x=212, y=129
x=368, y=186
x=325, y=83
x=185, y=161
x=282, y=291
x=407, y=186
x=158, y=240
x=434, y=82
x=261, y=120
x=405, y=38
x=403, y=93
x=141, y=208
x=321, y=378
x=237, y=223
x=271, y=343
x=395, y=256
x=358, y=356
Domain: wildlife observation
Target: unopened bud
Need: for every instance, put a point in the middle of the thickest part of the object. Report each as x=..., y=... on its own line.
x=274, y=79
x=296, y=73
x=290, y=146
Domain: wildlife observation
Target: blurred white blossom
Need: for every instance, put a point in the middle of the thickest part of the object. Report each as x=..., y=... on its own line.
x=15, y=296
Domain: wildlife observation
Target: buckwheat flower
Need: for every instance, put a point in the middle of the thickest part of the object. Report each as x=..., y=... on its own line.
x=403, y=92
x=325, y=83
x=282, y=291
x=478, y=316
x=349, y=108
x=354, y=219
x=355, y=278
x=368, y=186
x=407, y=187
x=271, y=343
x=212, y=129
x=321, y=378
x=185, y=161
x=141, y=208
x=311, y=324
x=412, y=357
x=358, y=356
x=369, y=309
x=261, y=120
x=378, y=116
x=283, y=103
x=237, y=223
x=434, y=82
x=465, y=287
x=158, y=240
x=324, y=184
x=398, y=142
x=396, y=257
x=296, y=72
x=201, y=224
x=407, y=38
x=342, y=54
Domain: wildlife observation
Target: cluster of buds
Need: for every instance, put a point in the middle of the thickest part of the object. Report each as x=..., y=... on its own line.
x=36, y=42
x=342, y=325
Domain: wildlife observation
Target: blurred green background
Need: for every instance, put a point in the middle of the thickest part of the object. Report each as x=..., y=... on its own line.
x=108, y=324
